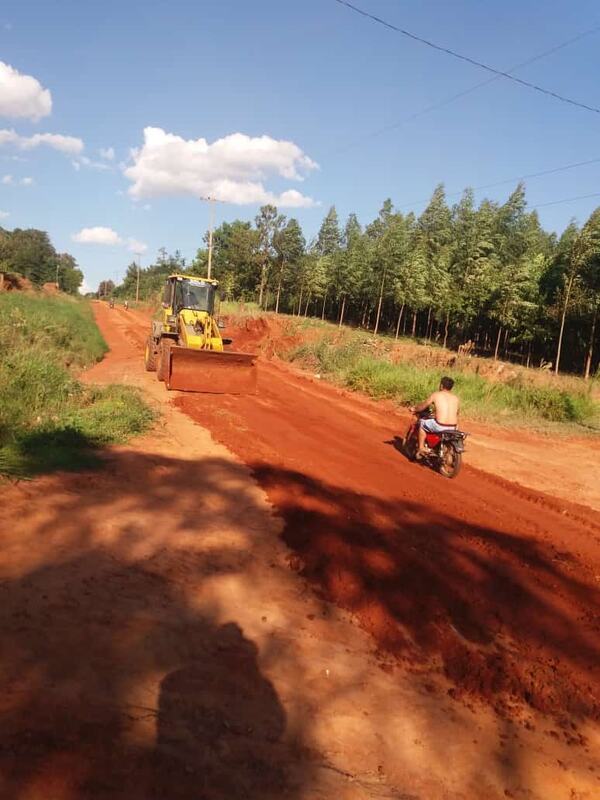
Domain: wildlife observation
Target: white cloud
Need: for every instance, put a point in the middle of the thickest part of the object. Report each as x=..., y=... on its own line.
x=231, y=169
x=4, y=214
x=108, y=153
x=88, y=162
x=135, y=246
x=71, y=145
x=22, y=96
x=97, y=235
x=8, y=180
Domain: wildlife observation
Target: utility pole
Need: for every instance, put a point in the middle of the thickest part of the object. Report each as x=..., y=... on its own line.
x=137, y=283
x=57, y=266
x=211, y=223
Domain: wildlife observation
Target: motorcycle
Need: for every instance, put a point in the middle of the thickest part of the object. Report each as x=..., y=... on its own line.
x=443, y=450
x=111, y=304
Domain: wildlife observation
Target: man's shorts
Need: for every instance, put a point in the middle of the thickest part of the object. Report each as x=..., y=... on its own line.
x=431, y=425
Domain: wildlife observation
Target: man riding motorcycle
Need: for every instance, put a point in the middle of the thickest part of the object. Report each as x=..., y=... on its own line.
x=446, y=406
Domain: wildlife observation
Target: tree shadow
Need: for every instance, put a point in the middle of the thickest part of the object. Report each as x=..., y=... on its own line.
x=511, y=620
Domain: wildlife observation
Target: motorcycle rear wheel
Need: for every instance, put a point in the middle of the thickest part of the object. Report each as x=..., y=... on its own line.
x=450, y=462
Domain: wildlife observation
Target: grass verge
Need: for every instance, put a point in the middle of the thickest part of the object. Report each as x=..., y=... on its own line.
x=348, y=359
x=48, y=419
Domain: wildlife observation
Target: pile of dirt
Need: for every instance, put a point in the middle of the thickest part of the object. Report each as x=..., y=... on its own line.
x=50, y=288
x=265, y=334
x=13, y=282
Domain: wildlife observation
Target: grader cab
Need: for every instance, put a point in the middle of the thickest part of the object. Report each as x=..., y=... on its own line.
x=185, y=346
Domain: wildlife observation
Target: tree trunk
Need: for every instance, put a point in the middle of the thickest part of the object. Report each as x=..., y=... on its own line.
x=399, y=320
x=378, y=317
x=528, y=356
x=263, y=274
x=306, y=306
x=323, y=309
x=279, y=290
x=446, y=328
x=300, y=300
x=414, y=325
x=562, y=324
x=497, y=343
x=342, y=311
x=590, y=352
x=505, y=341
x=428, y=326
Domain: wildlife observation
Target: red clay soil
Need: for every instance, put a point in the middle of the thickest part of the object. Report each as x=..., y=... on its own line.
x=495, y=585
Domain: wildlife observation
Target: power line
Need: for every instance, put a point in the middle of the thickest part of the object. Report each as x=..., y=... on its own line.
x=567, y=200
x=497, y=72
x=446, y=101
x=512, y=180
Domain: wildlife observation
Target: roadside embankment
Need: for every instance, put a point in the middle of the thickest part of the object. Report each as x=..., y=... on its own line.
x=48, y=418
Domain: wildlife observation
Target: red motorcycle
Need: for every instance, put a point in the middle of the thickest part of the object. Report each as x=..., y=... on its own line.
x=443, y=450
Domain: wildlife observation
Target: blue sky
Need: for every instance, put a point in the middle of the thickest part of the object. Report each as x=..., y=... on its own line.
x=308, y=72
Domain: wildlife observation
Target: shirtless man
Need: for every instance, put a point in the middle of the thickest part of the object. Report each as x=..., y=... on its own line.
x=446, y=407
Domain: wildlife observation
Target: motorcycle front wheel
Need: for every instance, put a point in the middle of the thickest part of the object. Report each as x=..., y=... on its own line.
x=450, y=462
x=410, y=446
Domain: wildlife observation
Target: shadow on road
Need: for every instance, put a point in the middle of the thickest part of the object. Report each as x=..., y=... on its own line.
x=510, y=617
x=115, y=682
x=122, y=678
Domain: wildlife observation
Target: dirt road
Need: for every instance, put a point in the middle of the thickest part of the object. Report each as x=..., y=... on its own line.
x=431, y=639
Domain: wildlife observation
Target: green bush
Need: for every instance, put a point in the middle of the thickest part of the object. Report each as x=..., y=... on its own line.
x=347, y=360
x=48, y=419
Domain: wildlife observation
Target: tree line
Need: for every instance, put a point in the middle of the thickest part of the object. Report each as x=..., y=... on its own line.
x=30, y=253
x=484, y=275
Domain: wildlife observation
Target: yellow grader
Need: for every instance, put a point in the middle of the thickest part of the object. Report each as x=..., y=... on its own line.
x=185, y=347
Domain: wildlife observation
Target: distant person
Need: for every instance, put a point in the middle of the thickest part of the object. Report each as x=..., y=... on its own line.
x=445, y=405
x=126, y=305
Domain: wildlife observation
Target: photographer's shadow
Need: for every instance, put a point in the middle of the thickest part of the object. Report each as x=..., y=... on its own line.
x=220, y=726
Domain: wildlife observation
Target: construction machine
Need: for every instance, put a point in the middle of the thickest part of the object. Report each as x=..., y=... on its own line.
x=185, y=347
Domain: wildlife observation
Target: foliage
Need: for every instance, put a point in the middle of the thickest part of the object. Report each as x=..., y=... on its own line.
x=485, y=275
x=350, y=361
x=48, y=419
x=30, y=253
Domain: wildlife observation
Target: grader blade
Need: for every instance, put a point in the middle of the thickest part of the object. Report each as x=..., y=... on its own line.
x=210, y=371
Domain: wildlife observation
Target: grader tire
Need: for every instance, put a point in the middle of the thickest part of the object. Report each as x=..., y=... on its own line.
x=150, y=356
x=163, y=358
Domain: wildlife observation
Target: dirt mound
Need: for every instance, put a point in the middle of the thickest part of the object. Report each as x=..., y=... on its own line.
x=50, y=288
x=268, y=335
x=13, y=282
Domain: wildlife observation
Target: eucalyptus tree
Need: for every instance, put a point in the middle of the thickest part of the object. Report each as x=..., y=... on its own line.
x=327, y=248
x=289, y=245
x=590, y=281
x=268, y=222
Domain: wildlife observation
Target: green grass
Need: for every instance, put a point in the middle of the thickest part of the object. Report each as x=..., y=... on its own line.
x=247, y=309
x=349, y=359
x=48, y=419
